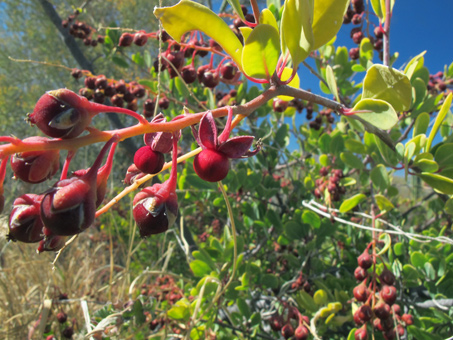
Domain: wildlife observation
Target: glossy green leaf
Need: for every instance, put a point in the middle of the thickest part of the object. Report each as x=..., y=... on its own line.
x=381, y=115
x=351, y=202
x=387, y=154
x=327, y=20
x=266, y=17
x=296, y=29
x=419, y=92
x=294, y=230
x=366, y=50
x=426, y=165
x=351, y=160
x=261, y=52
x=311, y=218
x=383, y=202
x=376, y=4
x=355, y=146
x=188, y=16
x=245, y=31
x=421, y=334
x=200, y=268
x=398, y=249
x=330, y=78
x=438, y=182
x=413, y=64
x=444, y=155
x=439, y=119
x=379, y=177
x=236, y=5
x=421, y=124
x=388, y=84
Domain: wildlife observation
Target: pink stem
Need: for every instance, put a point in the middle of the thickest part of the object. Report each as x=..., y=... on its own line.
x=64, y=171
x=174, y=164
x=3, y=172
x=12, y=140
x=105, y=170
x=97, y=108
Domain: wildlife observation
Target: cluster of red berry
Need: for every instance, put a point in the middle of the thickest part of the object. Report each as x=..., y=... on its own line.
x=354, y=15
x=385, y=313
x=81, y=30
x=301, y=283
x=324, y=115
x=438, y=83
x=331, y=183
x=284, y=324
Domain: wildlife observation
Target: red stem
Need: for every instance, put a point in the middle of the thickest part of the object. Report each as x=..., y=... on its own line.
x=174, y=164
x=64, y=171
x=3, y=172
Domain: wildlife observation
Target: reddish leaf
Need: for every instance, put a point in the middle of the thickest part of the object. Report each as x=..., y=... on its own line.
x=207, y=132
x=236, y=147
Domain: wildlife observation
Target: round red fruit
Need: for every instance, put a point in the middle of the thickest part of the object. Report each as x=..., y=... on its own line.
x=149, y=161
x=211, y=165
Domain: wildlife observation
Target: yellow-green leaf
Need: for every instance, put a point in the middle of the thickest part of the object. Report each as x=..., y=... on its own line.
x=245, y=31
x=386, y=83
x=236, y=5
x=266, y=17
x=296, y=29
x=188, y=16
x=381, y=115
x=327, y=20
x=439, y=119
x=438, y=182
x=287, y=72
x=330, y=78
x=261, y=52
x=383, y=203
x=351, y=202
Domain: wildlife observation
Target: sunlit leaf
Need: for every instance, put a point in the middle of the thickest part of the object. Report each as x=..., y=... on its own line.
x=330, y=78
x=261, y=52
x=296, y=29
x=386, y=83
x=438, y=182
x=381, y=115
x=188, y=16
x=351, y=202
x=236, y=5
x=439, y=119
x=266, y=17
x=421, y=124
x=327, y=20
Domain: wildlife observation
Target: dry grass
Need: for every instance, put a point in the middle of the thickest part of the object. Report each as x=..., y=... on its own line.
x=88, y=270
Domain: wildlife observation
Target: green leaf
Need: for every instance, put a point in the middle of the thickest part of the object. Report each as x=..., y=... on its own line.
x=415, y=63
x=358, y=68
x=351, y=202
x=330, y=78
x=266, y=17
x=269, y=280
x=382, y=115
x=398, y=249
x=354, y=145
x=426, y=165
x=189, y=16
x=421, y=124
x=200, y=268
x=448, y=208
x=261, y=52
x=351, y=160
x=388, y=84
x=421, y=334
x=244, y=308
x=383, y=203
x=366, y=51
x=379, y=177
x=320, y=297
x=120, y=61
x=236, y=5
x=311, y=218
x=376, y=4
x=327, y=20
x=296, y=29
x=439, y=119
x=351, y=335
x=438, y=182
x=293, y=230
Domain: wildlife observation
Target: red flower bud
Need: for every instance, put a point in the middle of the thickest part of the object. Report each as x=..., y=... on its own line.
x=156, y=207
x=35, y=166
x=69, y=207
x=25, y=224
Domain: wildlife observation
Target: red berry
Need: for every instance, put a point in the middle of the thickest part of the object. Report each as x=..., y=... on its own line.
x=388, y=294
x=364, y=260
x=354, y=53
x=382, y=310
x=280, y=105
x=387, y=277
x=164, y=103
x=189, y=74
x=35, y=166
x=140, y=39
x=360, y=274
x=210, y=78
x=301, y=333
x=287, y=331
x=361, y=333
x=365, y=313
x=357, y=37
x=356, y=19
x=25, y=224
x=62, y=317
x=228, y=70
x=276, y=322
x=211, y=165
x=126, y=39
x=361, y=292
x=408, y=319
x=149, y=161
